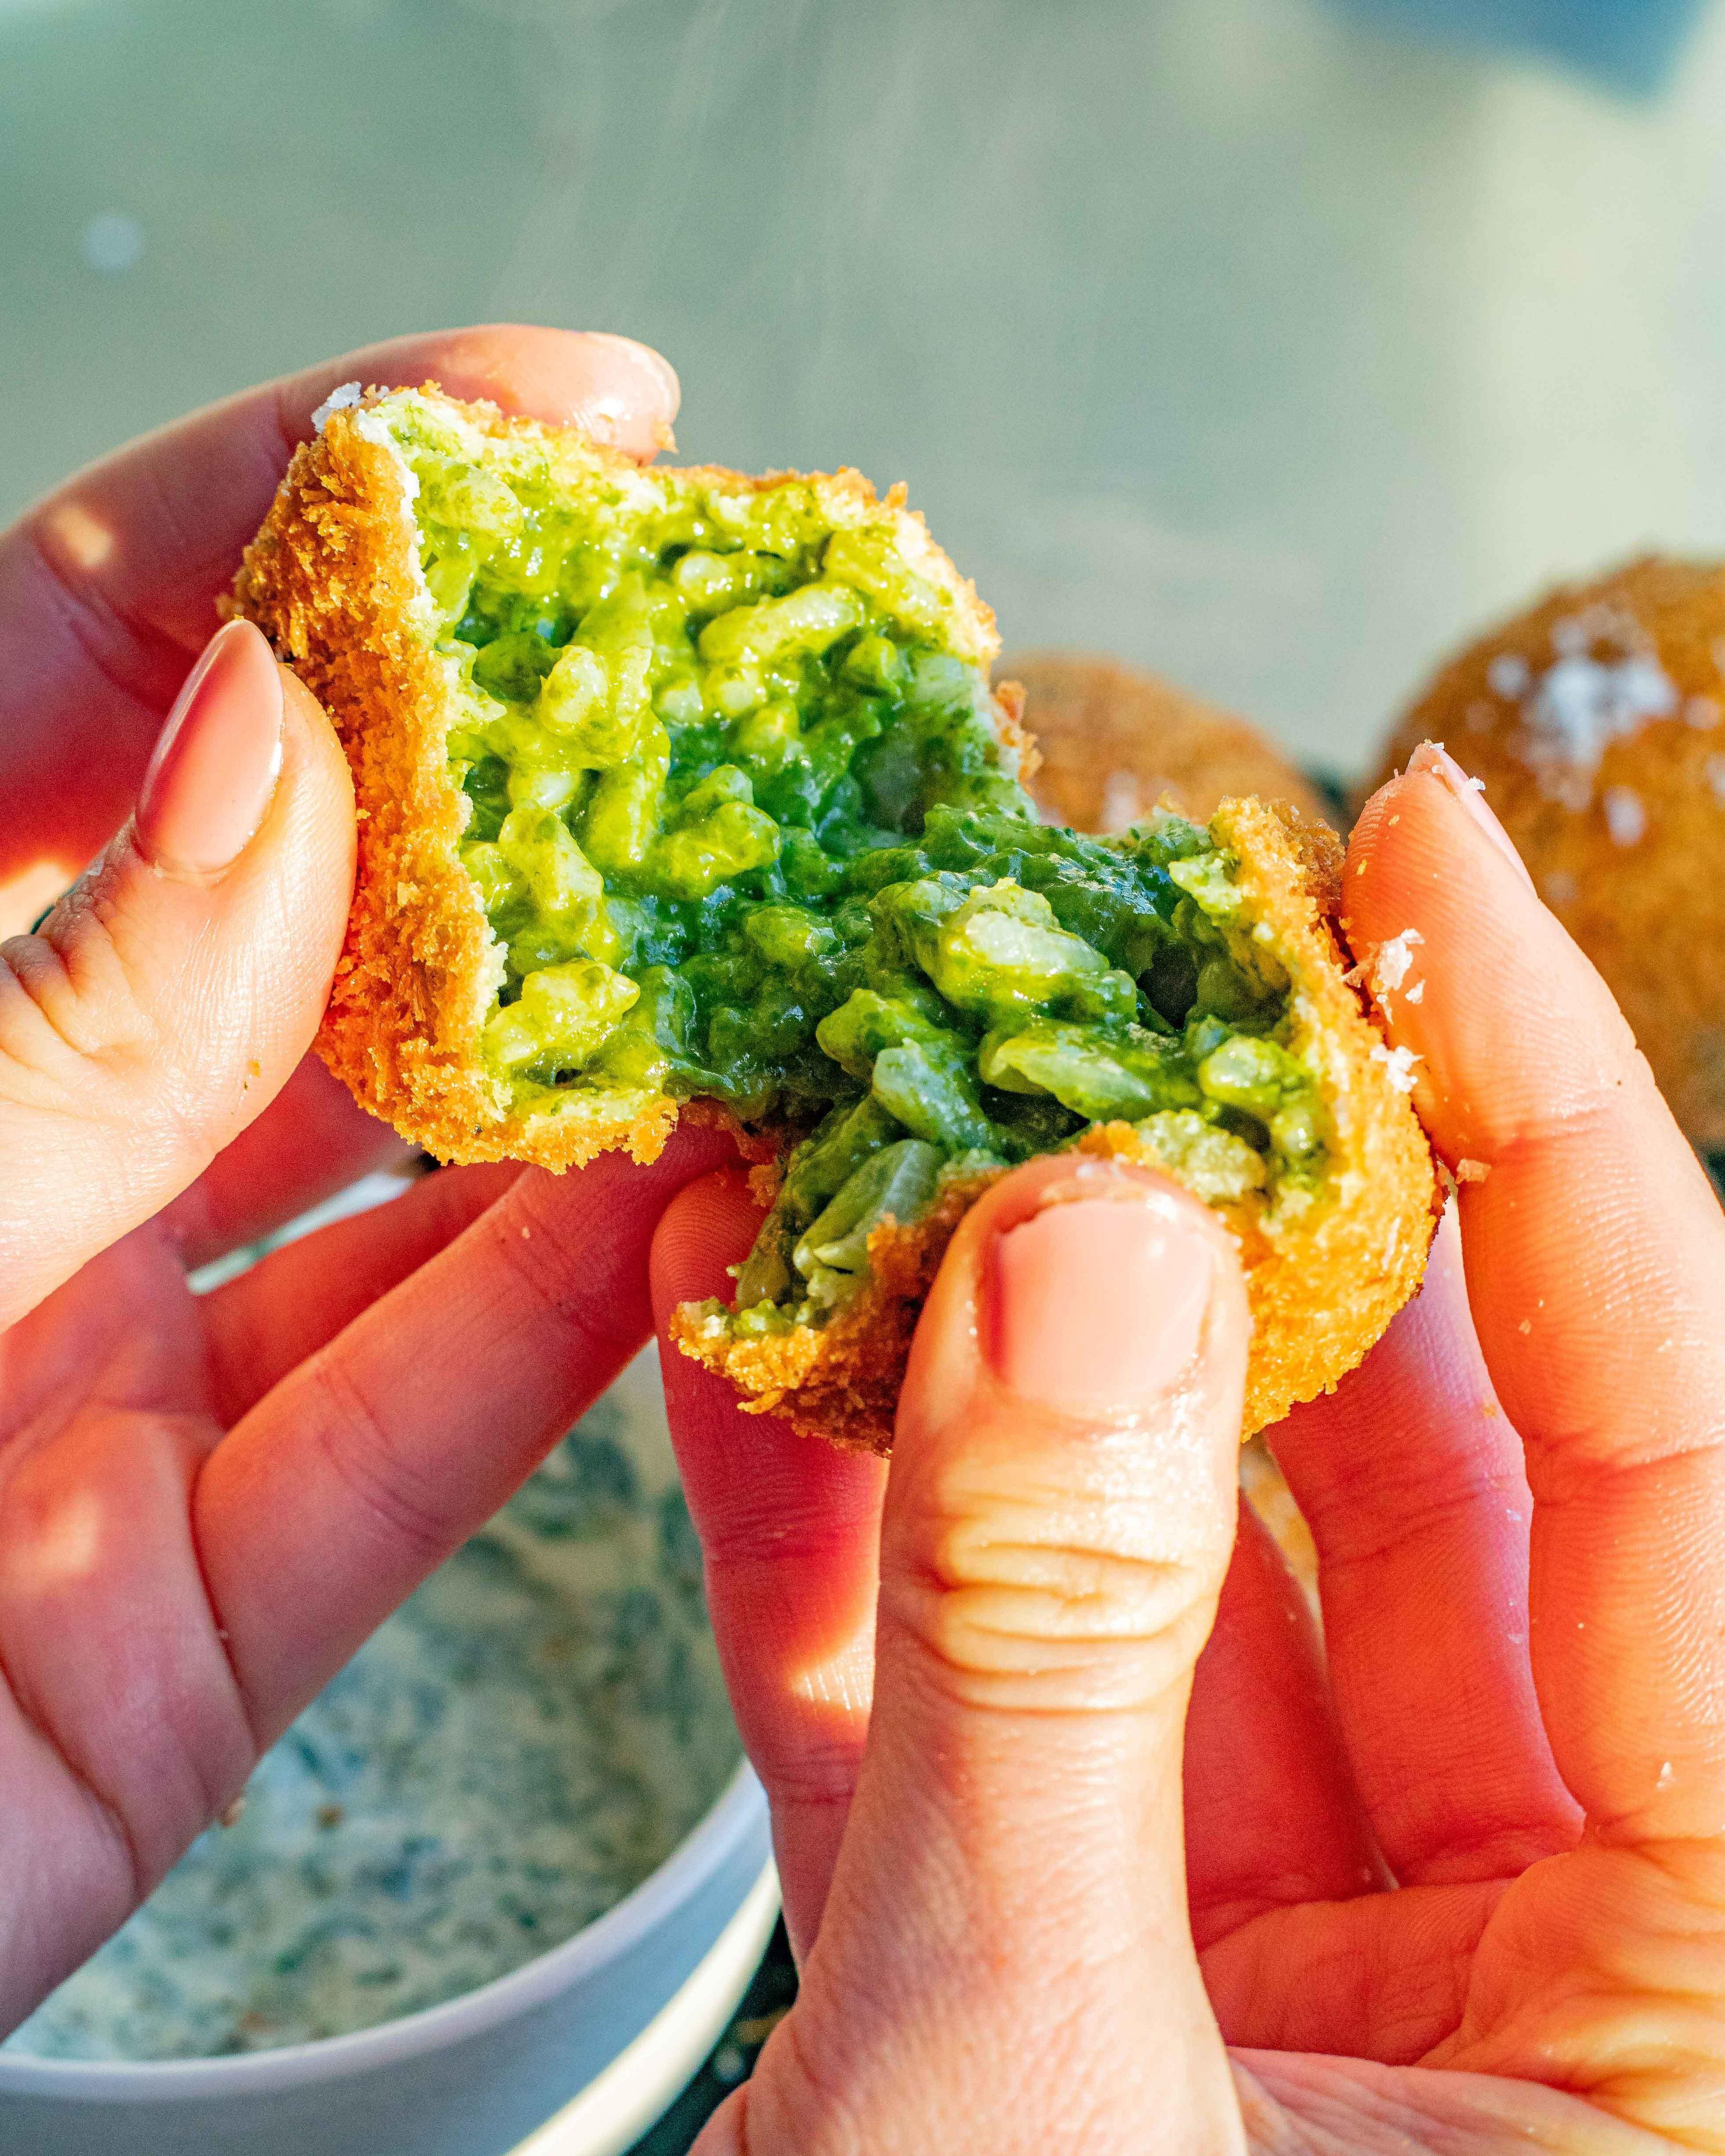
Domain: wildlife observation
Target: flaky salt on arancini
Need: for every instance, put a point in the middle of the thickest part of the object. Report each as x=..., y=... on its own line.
x=1114, y=742
x=1596, y=721
x=681, y=791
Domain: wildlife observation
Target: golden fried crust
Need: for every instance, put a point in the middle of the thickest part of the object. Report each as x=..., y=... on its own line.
x=1648, y=910
x=1114, y=741
x=333, y=580
x=1322, y=1284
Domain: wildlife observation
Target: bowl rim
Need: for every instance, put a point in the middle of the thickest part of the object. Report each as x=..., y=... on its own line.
x=739, y=1809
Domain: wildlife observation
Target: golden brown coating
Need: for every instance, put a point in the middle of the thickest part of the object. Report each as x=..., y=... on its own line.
x=1114, y=741
x=1323, y=1283
x=1597, y=721
x=333, y=579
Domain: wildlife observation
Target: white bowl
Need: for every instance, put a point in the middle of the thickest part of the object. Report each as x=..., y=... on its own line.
x=666, y=1966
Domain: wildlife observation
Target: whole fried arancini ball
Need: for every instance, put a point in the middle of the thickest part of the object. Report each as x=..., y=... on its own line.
x=1597, y=723
x=1114, y=741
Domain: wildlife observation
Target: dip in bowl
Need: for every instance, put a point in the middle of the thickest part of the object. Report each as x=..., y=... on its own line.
x=516, y=1821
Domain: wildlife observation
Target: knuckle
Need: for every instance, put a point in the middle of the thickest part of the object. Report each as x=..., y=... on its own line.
x=404, y=1510
x=68, y=1005
x=1086, y=1602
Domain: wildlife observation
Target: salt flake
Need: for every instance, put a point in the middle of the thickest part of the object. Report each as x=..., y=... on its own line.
x=1626, y=815
x=1580, y=706
x=338, y=400
x=1391, y=961
x=1121, y=802
x=1507, y=674
x=1399, y=1066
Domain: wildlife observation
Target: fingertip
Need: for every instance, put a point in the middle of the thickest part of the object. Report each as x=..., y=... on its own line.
x=620, y=392
x=709, y=1226
x=1509, y=1026
x=307, y=727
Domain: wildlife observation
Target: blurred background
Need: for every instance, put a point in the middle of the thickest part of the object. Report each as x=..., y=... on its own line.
x=1271, y=343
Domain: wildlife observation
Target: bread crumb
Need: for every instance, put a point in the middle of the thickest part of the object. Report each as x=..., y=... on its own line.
x=1417, y=992
x=1472, y=1170
x=1526, y=1325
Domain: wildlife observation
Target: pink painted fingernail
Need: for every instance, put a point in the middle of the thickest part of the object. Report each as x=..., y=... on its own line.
x=1098, y=1303
x=1436, y=761
x=215, y=762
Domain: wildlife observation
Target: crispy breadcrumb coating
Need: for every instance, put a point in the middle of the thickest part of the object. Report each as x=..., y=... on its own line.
x=1114, y=742
x=333, y=579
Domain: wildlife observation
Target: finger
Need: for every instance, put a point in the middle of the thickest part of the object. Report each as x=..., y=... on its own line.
x=170, y=994
x=1411, y=1479
x=1596, y=1257
x=108, y=587
x=367, y=1465
x=313, y=1140
x=790, y=1529
x=1058, y=1520
x=1272, y=1819
x=262, y=1325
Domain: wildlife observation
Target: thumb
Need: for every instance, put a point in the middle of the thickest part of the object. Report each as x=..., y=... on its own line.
x=1059, y=1517
x=167, y=997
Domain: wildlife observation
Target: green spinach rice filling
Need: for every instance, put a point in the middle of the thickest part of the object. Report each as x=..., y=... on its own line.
x=742, y=827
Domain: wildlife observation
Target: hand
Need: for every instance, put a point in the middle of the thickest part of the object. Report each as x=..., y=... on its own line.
x=207, y=1503
x=965, y=1682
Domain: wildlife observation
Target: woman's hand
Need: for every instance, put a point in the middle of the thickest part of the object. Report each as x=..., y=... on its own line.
x=207, y=1503
x=966, y=1683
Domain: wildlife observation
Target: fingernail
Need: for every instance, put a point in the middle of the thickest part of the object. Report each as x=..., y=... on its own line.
x=648, y=363
x=631, y=398
x=1098, y=1303
x=215, y=762
x=1436, y=761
